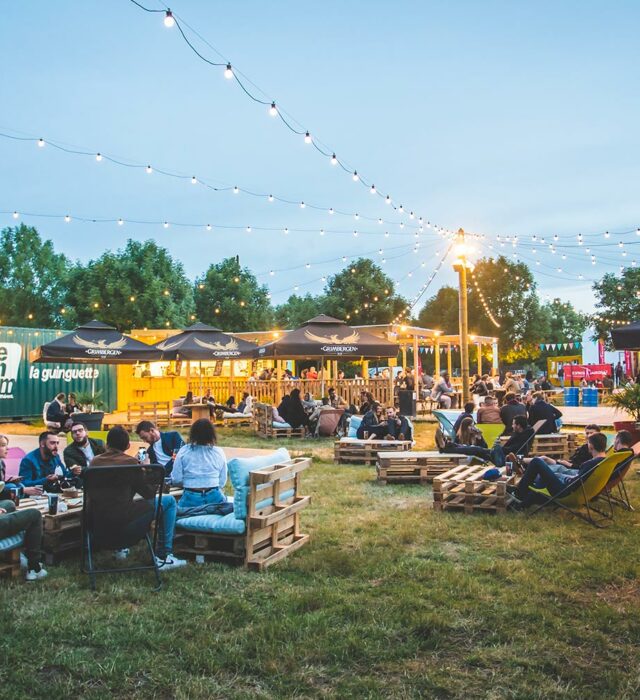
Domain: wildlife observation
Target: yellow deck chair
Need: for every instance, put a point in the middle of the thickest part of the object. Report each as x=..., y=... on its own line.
x=490, y=431
x=581, y=492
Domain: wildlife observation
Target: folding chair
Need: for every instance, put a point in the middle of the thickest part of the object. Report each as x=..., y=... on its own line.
x=98, y=535
x=445, y=423
x=585, y=489
x=617, y=481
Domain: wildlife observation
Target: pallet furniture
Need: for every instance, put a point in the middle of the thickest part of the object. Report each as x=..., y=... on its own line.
x=463, y=488
x=272, y=525
x=263, y=422
x=355, y=451
x=10, y=563
x=414, y=466
x=555, y=445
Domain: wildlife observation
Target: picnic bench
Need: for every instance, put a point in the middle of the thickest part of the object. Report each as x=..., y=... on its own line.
x=415, y=466
x=270, y=529
x=464, y=488
x=348, y=450
x=265, y=426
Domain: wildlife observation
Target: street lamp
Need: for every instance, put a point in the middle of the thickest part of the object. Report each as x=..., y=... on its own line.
x=461, y=265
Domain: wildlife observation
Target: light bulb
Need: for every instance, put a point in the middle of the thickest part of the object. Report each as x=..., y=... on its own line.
x=379, y=221
x=248, y=229
x=386, y=234
x=331, y=210
x=355, y=233
x=15, y=214
x=373, y=189
x=273, y=110
x=228, y=72
x=166, y=224
x=356, y=216
x=322, y=232
x=67, y=218
x=286, y=231
x=334, y=161
x=169, y=21
x=236, y=190
x=401, y=209
x=194, y=180
x=302, y=205
x=98, y=157
x=606, y=234
x=307, y=137
x=412, y=215
x=270, y=198
x=149, y=169
x=355, y=176
x=272, y=273
x=308, y=265
x=208, y=227
x=388, y=199
x=120, y=222
x=41, y=143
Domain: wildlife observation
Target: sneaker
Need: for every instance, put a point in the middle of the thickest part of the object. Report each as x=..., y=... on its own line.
x=440, y=440
x=170, y=562
x=389, y=437
x=24, y=563
x=33, y=575
x=120, y=554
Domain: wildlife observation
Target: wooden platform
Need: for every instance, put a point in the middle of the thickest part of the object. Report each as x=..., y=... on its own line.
x=463, y=488
x=555, y=445
x=10, y=563
x=414, y=466
x=263, y=420
x=354, y=451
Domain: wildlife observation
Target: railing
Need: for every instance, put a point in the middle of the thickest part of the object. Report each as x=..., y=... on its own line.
x=266, y=391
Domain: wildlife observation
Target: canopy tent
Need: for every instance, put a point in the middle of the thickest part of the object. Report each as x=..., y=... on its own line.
x=626, y=337
x=202, y=342
x=324, y=336
x=95, y=343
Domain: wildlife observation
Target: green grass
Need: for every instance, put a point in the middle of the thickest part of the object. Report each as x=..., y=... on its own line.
x=390, y=599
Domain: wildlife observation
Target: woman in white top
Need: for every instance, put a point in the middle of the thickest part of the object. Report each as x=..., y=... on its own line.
x=200, y=467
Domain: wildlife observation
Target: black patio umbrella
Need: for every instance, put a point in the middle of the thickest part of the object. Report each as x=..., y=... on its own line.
x=202, y=342
x=626, y=337
x=324, y=336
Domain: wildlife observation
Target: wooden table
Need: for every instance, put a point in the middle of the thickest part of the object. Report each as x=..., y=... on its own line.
x=198, y=410
x=415, y=466
x=355, y=451
x=463, y=488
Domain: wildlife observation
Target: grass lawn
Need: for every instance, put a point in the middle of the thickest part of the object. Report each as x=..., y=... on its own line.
x=390, y=599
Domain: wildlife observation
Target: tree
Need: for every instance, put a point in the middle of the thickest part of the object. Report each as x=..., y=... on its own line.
x=562, y=322
x=136, y=287
x=296, y=310
x=229, y=297
x=362, y=293
x=440, y=312
x=33, y=280
x=617, y=299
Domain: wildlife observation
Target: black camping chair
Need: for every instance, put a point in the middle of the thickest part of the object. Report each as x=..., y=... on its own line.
x=98, y=535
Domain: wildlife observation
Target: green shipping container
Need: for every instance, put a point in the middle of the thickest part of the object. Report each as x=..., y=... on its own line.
x=25, y=387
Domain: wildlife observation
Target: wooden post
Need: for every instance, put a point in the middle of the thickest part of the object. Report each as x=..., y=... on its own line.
x=436, y=359
x=404, y=356
x=278, y=381
x=365, y=369
x=494, y=358
x=479, y=346
x=449, y=367
x=415, y=360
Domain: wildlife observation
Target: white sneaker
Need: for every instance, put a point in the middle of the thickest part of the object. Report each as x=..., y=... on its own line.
x=120, y=554
x=170, y=562
x=33, y=575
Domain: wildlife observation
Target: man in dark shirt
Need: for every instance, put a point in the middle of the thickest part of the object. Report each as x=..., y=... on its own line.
x=511, y=408
x=542, y=410
x=82, y=449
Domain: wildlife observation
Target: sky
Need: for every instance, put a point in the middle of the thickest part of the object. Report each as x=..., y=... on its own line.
x=501, y=118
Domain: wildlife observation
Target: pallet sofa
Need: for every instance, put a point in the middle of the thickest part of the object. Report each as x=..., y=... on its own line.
x=10, y=555
x=265, y=524
x=266, y=427
x=415, y=467
x=352, y=450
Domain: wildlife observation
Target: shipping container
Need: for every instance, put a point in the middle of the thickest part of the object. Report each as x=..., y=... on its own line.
x=26, y=386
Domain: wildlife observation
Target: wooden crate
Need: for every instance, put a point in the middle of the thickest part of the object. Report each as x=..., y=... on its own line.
x=10, y=563
x=263, y=421
x=415, y=467
x=271, y=533
x=354, y=451
x=463, y=488
x=555, y=445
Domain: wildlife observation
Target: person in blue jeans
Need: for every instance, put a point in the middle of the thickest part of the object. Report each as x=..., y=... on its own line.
x=201, y=467
x=543, y=475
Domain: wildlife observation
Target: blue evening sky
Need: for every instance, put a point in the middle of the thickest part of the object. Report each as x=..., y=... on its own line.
x=501, y=117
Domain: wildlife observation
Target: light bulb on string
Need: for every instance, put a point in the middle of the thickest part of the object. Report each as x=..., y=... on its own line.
x=273, y=110
x=355, y=176
x=373, y=189
x=194, y=180
x=248, y=229
x=208, y=227
x=334, y=160
x=40, y=143
x=270, y=198
x=331, y=211
x=286, y=231
x=67, y=218
x=169, y=20
x=228, y=72
x=120, y=222
x=98, y=157
x=302, y=205
x=356, y=216
x=606, y=234
x=307, y=137
x=236, y=189
x=166, y=224
x=387, y=199
x=401, y=209
x=149, y=169
x=322, y=232
x=15, y=215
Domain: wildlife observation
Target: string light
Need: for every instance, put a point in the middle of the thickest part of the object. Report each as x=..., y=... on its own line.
x=41, y=143
x=307, y=137
x=228, y=72
x=169, y=21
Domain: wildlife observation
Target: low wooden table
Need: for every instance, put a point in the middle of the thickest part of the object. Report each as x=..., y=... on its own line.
x=463, y=488
x=354, y=451
x=198, y=410
x=415, y=466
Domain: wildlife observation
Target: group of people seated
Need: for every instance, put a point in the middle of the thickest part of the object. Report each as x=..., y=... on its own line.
x=380, y=423
x=296, y=412
x=59, y=412
x=215, y=409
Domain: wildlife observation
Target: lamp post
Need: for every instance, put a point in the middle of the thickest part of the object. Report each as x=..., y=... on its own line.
x=461, y=265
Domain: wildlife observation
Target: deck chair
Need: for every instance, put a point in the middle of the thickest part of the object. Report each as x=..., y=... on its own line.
x=95, y=536
x=490, y=431
x=581, y=492
x=446, y=424
x=617, y=481
x=328, y=422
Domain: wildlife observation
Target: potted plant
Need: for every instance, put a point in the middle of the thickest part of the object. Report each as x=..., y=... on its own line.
x=627, y=399
x=91, y=415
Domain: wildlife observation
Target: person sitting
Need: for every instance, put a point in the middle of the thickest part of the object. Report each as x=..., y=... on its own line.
x=488, y=412
x=469, y=407
x=398, y=426
x=121, y=513
x=82, y=449
x=183, y=409
x=511, y=408
x=409, y=383
x=283, y=409
x=72, y=405
x=443, y=392
x=372, y=427
x=426, y=382
x=511, y=384
x=296, y=415
x=43, y=466
x=469, y=434
x=366, y=402
x=201, y=468
x=27, y=520
x=556, y=478
x=517, y=444
x=479, y=386
x=163, y=446
x=12, y=483
x=335, y=400
x=545, y=384
x=57, y=417
x=246, y=404
x=308, y=403
x=314, y=418
x=312, y=373
x=230, y=405
x=540, y=409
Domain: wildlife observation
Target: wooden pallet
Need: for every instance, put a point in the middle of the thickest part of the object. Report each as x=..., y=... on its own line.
x=354, y=451
x=556, y=445
x=263, y=421
x=463, y=488
x=415, y=467
x=10, y=563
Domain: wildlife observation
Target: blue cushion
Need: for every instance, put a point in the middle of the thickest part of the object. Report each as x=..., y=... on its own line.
x=277, y=424
x=12, y=542
x=239, y=468
x=354, y=424
x=285, y=495
x=220, y=524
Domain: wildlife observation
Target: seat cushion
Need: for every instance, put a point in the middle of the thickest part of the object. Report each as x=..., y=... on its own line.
x=218, y=524
x=239, y=469
x=12, y=542
x=278, y=424
x=265, y=503
x=354, y=424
